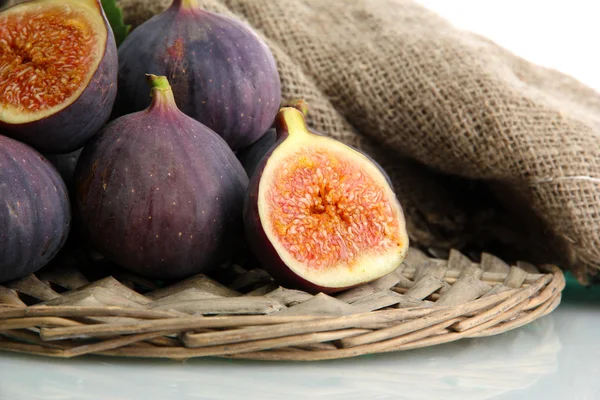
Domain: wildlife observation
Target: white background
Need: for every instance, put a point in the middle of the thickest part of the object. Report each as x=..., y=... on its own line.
x=564, y=35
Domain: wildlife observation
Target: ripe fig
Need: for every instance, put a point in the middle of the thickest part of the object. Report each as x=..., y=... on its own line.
x=319, y=215
x=222, y=74
x=35, y=214
x=251, y=156
x=159, y=193
x=58, y=73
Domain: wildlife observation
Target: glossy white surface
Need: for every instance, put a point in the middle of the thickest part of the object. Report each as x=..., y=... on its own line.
x=555, y=357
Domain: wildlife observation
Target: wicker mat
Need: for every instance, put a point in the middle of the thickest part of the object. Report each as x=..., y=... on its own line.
x=68, y=311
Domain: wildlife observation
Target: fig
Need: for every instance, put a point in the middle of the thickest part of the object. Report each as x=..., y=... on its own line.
x=65, y=164
x=58, y=73
x=222, y=73
x=319, y=215
x=159, y=193
x=35, y=213
x=251, y=156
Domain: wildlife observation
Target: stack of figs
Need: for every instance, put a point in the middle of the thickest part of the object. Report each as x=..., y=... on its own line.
x=172, y=153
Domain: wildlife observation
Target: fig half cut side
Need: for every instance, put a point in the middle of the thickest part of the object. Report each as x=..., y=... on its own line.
x=58, y=72
x=320, y=215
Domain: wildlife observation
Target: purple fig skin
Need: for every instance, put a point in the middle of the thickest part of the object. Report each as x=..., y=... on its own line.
x=65, y=164
x=221, y=73
x=161, y=194
x=69, y=129
x=35, y=214
x=251, y=156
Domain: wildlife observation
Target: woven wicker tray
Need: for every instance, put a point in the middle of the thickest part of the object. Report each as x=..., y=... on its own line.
x=65, y=311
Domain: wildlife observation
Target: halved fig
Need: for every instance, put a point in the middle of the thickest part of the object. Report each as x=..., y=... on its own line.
x=320, y=215
x=58, y=73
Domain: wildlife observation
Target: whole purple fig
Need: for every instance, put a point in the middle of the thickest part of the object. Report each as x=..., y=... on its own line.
x=221, y=72
x=35, y=215
x=159, y=193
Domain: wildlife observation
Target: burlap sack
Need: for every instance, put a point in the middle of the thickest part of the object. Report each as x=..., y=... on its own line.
x=487, y=151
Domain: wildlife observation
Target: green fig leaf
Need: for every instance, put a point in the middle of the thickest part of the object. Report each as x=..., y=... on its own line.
x=114, y=14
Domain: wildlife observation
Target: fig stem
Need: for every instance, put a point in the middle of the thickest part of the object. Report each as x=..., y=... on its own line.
x=299, y=104
x=290, y=120
x=162, y=95
x=186, y=4
x=158, y=82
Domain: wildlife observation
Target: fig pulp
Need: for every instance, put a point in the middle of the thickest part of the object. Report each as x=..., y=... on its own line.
x=222, y=74
x=35, y=213
x=159, y=193
x=319, y=215
x=58, y=73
